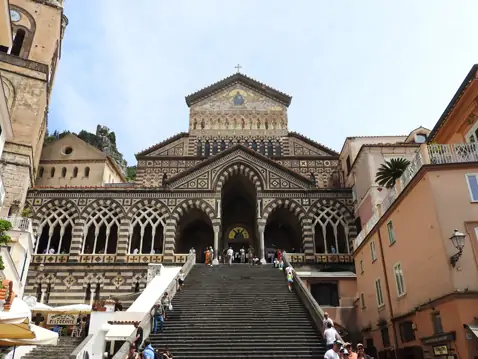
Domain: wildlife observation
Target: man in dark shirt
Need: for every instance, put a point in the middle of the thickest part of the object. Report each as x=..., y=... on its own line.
x=118, y=306
x=139, y=336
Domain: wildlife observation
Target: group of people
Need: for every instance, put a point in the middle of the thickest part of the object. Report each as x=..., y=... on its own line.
x=336, y=349
x=159, y=313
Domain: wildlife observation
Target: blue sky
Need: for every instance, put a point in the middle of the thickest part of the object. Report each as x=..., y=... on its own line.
x=353, y=67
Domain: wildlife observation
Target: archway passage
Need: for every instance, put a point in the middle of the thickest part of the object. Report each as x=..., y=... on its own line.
x=283, y=231
x=194, y=231
x=238, y=212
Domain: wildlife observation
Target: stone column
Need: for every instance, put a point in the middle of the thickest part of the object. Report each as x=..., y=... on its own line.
x=261, y=226
x=216, y=225
x=76, y=248
x=123, y=240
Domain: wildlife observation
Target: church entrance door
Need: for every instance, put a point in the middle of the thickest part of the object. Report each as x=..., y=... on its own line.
x=238, y=210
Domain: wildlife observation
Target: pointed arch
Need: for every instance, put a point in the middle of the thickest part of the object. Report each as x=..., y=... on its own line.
x=54, y=224
x=285, y=222
x=147, y=224
x=294, y=207
x=336, y=224
x=190, y=215
x=188, y=204
x=102, y=221
x=238, y=168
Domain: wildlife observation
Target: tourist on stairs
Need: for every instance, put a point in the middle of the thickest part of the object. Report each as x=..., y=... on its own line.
x=139, y=336
x=148, y=352
x=166, y=303
x=158, y=318
x=206, y=254
x=331, y=336
x=333, y=352
x=361, y=352
x=230, y=255
x=327, y=320
x=243, y=254
x=211, y=256
x=290, y=280
x=180, y=280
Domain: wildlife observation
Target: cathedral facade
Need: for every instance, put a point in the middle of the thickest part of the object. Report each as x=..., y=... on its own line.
x=237, y=178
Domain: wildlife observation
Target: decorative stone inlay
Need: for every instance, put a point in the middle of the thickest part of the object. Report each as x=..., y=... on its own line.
x=118, y=281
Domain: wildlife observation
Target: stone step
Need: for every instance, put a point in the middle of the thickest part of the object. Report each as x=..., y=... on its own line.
x=257, y=353
x=169, y=336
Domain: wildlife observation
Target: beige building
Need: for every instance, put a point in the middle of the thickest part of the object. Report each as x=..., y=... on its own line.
x=27, y=71
x=417, y=277
x=71, y=162
x=361, y=157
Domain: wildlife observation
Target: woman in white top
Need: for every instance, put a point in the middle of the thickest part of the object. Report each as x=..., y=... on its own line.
x=180, y=280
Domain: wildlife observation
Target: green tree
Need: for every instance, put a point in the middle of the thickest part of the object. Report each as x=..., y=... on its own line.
x=4, y=237
x=390, y=171
x=131, y=173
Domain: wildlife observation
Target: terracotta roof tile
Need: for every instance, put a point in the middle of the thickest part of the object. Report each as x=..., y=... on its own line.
x=6, y=294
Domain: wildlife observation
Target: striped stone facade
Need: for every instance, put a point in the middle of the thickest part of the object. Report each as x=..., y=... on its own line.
x=67, y=275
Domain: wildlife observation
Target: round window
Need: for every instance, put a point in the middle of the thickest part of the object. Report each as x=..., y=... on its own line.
x=67, y=150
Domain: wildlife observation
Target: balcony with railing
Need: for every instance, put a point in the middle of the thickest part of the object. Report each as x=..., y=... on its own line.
x=435, y=154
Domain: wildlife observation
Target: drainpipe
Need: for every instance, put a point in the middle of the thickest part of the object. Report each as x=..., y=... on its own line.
x=395, y=337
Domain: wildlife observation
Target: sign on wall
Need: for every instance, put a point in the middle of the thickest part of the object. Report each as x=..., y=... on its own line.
x=62, y=319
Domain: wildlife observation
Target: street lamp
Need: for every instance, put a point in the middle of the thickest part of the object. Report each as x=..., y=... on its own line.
x=458, y=240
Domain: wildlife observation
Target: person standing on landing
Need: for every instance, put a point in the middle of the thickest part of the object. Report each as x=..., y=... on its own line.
x=230, y=255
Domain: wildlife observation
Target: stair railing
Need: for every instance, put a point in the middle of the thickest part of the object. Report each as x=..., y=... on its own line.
x=314, y=309
x=145, y=323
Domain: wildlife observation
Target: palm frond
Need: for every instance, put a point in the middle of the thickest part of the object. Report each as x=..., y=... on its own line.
x=388, y=173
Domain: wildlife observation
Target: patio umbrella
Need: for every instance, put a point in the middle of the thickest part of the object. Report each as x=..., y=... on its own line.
x=41, y=336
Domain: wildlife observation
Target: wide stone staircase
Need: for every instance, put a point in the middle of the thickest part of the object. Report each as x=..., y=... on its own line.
x=65, y=347
x=238, y=311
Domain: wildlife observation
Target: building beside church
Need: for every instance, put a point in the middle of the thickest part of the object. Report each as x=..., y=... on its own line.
x=237, y=178
x=417, y=256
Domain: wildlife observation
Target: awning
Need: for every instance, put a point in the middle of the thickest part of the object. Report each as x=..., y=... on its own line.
x=18, y=312
x=120, y=332
x=473, y=329
x=72, y=308
x=16, y=331
x=42, y=336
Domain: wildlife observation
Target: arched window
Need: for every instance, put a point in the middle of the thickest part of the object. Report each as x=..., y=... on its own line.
x=52, y=172
x=147, y=231
x=101, y=231
x=270, y=150
x=40, y=172
x=18, y=42
x=223, y=145
x=207, y=149
x=56, y=231
x=87, y=172
x=330, y=232
x=63, y=172
x=136, y=287
x=75, y=172
x=254, y=145
x=262, y=148
x=199, y=148
x=278, y=149
x=47, y=293
x=214, y=148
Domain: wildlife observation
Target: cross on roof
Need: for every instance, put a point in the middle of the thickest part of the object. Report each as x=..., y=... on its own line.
x=238, y=67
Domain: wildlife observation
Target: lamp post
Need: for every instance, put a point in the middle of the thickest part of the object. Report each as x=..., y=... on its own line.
x=458, y=240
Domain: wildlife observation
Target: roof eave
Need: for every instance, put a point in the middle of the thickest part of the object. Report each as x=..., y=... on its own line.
x=472, y=75
x=209, y=90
